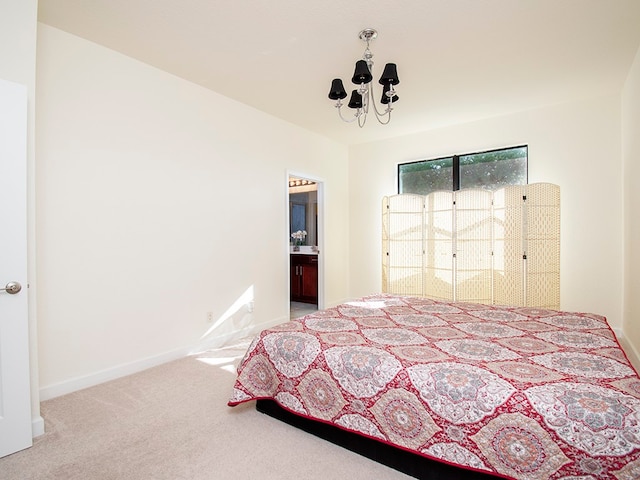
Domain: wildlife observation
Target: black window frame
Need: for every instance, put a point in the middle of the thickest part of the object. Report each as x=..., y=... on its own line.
x=456, y=164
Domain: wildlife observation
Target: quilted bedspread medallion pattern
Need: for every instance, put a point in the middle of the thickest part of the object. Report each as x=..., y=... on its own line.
x=523, y=393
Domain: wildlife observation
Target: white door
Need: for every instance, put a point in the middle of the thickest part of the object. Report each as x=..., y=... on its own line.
x=15, y=402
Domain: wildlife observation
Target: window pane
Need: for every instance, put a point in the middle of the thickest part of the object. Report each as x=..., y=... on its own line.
x=494, y=170
x=422, y=178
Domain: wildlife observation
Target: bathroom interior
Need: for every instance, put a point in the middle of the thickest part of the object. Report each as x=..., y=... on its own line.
x=303, y=246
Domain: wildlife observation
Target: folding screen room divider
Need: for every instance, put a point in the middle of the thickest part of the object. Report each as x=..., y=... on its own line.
x=493, y=247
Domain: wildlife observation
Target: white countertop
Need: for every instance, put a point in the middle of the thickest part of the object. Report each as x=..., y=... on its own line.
x=304, y=250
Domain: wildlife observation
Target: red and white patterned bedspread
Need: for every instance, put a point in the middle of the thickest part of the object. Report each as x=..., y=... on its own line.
x=523, y=393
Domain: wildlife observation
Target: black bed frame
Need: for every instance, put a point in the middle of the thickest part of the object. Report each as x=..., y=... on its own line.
x=406, y=462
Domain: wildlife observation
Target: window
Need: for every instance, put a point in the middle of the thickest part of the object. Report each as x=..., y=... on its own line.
x=489, y=170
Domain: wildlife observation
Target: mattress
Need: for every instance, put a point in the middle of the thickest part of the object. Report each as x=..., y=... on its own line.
x=521, y=393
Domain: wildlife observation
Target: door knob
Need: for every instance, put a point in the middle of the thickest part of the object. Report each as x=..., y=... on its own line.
x=11, y=288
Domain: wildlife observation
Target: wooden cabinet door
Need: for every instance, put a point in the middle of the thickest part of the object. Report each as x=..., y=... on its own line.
x=304, y=278
x=309, y=287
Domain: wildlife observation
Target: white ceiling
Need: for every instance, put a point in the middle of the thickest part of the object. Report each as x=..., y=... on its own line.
x=458, y=60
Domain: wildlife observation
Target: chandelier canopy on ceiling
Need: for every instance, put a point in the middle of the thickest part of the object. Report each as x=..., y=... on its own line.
x=362, y=98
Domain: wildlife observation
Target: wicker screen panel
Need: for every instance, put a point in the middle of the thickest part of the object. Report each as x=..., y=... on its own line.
x=542, y=245
x=499, y=247
x=508, y=211
x=405, y=237
x=542, y=280
x=385, y=244
x=473, y=246
x=438, y=220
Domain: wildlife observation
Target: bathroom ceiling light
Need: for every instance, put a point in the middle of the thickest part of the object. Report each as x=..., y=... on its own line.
x=300, y=182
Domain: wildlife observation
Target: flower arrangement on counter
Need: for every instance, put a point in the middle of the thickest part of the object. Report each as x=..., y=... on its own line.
x=298, y=237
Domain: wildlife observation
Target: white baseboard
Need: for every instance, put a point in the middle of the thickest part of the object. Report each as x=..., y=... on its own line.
x=628, y=348
x=79, y=383
x=37, y=426
x=220, y=341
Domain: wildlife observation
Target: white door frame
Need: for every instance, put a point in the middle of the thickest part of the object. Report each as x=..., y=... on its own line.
x=320, y=233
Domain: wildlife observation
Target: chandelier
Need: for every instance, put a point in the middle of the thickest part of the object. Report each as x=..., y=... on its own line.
x=362, y=98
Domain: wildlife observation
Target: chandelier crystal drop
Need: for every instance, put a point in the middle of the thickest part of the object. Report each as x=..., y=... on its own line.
x=362, y=98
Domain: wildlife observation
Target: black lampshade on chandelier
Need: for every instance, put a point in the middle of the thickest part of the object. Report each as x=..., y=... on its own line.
x=362, y=98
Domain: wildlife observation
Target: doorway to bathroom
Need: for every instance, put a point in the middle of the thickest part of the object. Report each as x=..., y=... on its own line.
x=305, y=235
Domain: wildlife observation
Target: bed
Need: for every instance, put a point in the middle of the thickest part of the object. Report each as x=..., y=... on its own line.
x=454, y=390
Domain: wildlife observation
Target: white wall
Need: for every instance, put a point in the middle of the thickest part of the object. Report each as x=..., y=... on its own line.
x=631, y=159
x=159, y=201
x=576, y=146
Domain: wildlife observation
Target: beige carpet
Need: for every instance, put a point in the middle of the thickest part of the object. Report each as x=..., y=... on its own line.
x=172, y=422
